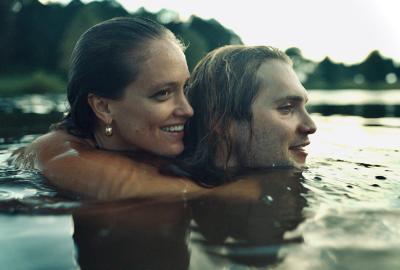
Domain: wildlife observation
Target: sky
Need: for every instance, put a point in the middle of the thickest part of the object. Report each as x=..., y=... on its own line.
x=345, y=30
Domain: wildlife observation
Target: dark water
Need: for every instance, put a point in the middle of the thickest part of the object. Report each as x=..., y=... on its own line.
x=343, y=212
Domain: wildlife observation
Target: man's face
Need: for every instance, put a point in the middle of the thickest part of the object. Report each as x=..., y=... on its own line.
x=281, y=124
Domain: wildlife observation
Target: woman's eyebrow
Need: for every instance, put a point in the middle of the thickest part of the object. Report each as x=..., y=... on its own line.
x=167, y=84
x=162, y=85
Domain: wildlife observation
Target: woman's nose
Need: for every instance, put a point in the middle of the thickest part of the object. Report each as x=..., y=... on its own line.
x=183, y=108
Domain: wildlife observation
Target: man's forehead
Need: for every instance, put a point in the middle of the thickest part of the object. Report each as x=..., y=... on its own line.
x=274, y=94
x=279, y=81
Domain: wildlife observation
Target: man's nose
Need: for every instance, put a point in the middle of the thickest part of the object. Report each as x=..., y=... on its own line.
x=307, y=125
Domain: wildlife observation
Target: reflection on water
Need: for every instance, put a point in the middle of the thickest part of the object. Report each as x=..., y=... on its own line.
x=30, y=114
x=37, y=104
x=231, y=229
x=354, y=97
x=368, y=104
x=237, y=225
x=366, y=110
x=343, y=212
x=132, y=235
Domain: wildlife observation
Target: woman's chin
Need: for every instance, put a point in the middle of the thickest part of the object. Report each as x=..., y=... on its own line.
x=172, y=151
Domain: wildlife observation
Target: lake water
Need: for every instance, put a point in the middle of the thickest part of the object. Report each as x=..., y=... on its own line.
x=343, y=212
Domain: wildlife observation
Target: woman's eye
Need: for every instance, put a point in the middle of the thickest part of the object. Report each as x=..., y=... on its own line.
x=162, y=94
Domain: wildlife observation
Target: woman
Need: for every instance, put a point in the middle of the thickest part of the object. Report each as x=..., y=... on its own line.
x=250, y=114
x=127, y=107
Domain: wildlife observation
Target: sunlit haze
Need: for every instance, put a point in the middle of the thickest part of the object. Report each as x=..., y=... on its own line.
x=345, y=30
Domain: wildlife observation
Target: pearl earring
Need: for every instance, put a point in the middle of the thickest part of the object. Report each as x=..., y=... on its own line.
x=108, y=130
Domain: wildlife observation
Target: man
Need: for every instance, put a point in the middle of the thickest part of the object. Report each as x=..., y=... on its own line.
x=249, y=112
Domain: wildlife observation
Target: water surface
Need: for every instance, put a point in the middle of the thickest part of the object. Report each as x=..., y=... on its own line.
x=343, y=212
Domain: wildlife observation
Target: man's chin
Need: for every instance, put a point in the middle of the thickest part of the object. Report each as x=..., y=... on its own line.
x=289, y=164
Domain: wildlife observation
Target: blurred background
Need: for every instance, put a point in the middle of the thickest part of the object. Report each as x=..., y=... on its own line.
x=347, y=53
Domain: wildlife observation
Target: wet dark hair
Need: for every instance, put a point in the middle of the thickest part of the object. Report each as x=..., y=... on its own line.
x=106, y=58
x=221, y=90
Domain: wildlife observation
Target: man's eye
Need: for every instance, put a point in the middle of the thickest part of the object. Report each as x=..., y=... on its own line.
x=287, y=108
x=162, y=94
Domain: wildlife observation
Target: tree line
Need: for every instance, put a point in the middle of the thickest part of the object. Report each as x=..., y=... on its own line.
x=35, y=37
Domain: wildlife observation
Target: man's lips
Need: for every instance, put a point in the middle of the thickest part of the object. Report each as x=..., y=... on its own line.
x=299, y=147
x=299, y=152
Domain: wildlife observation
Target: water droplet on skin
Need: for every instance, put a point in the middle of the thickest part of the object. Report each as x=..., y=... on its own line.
x=268, y=199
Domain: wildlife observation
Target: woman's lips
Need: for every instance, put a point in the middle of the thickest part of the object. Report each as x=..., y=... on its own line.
x=175, y=131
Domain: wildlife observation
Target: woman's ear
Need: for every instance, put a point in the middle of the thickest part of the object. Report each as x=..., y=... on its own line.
x=100, y=107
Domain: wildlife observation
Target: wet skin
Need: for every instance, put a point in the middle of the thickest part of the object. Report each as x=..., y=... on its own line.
x=153, y=110
x=281, y=123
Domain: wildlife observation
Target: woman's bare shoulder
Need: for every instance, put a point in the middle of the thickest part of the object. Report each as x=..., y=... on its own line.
x=60, y=139
x=47, y=147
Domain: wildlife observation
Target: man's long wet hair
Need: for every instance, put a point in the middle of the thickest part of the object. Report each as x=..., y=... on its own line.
x=221, y=90
x=105, y=60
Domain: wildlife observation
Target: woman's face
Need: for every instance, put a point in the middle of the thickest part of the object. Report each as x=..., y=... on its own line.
x=152, y=113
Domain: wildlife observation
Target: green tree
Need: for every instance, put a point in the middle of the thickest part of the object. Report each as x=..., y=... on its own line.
x=38, y=29
x=8, y=9
x=35, y=36
x=303, y=67
x=375, y=67
x=325, y=73
x=84, y=17
x=215, y=34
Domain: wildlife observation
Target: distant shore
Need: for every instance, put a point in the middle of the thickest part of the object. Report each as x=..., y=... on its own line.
x=42, y=82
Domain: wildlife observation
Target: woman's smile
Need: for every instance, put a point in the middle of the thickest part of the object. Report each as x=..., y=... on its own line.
x=175, y=132
x=156, y=122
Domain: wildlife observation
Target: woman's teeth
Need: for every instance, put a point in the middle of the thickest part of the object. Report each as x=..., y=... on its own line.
x=176, y=128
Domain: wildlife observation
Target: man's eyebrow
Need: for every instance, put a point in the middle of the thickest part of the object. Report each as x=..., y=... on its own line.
x=292, y=98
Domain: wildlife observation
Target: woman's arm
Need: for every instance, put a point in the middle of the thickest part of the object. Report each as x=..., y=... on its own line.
x=73, y=164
